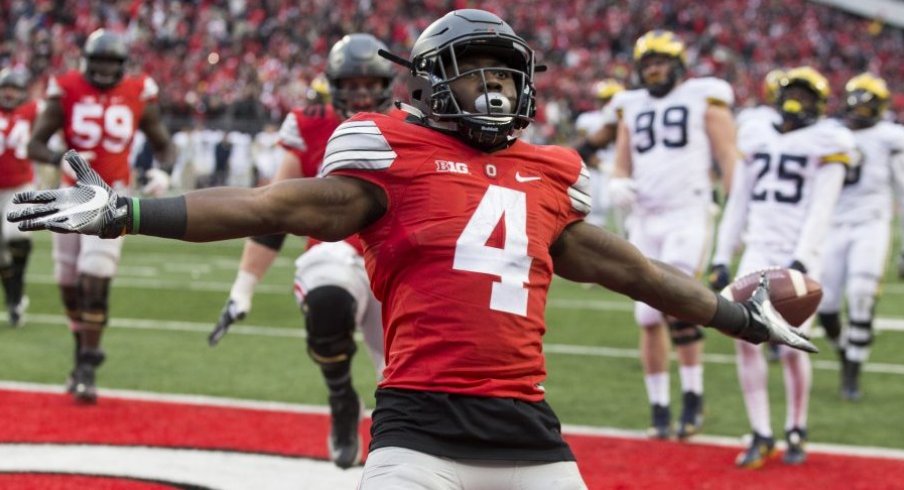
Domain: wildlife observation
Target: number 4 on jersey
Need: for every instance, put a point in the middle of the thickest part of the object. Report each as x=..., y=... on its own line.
x=511, y=262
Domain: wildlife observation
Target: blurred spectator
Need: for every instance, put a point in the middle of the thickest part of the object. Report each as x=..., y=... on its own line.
x=222, y=154
x=239, y=64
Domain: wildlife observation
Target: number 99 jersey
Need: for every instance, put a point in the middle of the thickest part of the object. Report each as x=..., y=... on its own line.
x=461, y=258
x=102, y=123
x=670, y=149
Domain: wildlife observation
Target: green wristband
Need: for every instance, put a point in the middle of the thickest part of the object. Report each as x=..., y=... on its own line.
x=136, y=216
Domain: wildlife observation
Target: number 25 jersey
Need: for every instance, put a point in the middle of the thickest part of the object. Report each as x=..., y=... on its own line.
x=460, y=260
x=102, y=122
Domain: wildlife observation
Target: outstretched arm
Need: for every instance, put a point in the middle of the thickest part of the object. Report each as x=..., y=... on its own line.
x=49, y=121
x=329, y=209
x=585, y=253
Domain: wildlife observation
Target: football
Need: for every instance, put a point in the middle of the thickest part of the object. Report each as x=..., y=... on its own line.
x=794, y=294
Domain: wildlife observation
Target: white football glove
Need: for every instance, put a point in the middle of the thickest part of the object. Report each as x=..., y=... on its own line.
x=89, y=208
x=237, y=306
x=766, y=324
x=622, y=192
x=158, y=182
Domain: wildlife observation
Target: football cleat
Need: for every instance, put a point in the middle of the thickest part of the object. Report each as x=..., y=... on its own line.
x=343, y=441
x=81, y=383
x=796, y=439
x=761, y=448
x=691, y=415
x=850, y=381
x=17, y=312
x=662, y=422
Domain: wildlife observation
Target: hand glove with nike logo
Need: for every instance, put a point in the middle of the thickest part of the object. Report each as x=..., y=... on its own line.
x=89, y=208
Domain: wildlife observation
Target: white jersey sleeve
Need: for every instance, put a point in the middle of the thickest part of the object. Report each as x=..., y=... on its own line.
x=290, y=135
x=149, y=89
x=838, y=144
x=579, y=192
x=714, y=90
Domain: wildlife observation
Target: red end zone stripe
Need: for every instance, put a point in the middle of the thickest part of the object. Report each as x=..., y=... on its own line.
x=605, y=462
x=38, y=417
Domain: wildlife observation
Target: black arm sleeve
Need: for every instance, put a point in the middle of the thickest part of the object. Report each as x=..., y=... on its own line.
x=166, y=218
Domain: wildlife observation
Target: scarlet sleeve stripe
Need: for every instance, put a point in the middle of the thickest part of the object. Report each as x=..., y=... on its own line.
x=840, y=157
x=289, y=134
x=717, y=102
x=357, y=144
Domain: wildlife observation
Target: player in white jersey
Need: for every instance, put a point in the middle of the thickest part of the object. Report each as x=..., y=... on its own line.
x=766, y=110
x=858, y=245
x=600, y=163
x=781, y=201
x=669, y=133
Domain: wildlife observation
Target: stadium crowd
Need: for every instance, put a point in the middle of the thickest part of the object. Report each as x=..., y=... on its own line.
x=234, y=63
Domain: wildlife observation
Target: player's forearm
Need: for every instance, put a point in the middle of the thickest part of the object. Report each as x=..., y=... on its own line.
x=734, y=218
x=39, y=152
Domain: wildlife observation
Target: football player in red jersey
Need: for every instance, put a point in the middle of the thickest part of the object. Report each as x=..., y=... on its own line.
x=331, y=283
x=463, y=226
x=17, y=114
x=98, y=108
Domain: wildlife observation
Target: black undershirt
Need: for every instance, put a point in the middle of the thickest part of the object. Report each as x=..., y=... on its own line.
x=468, y=427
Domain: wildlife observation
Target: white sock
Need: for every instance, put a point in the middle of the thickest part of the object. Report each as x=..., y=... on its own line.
x=753, y=375
x=691, y=378
x=658, y=388
x=798, y=373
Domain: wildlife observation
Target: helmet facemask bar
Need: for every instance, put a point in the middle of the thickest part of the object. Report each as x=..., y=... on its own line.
x=863, y=108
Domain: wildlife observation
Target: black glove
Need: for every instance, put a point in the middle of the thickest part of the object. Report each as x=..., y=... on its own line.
x=89, y=208
x=798, y=266
x=718, y=277
x=766, y=324
x=230, y=314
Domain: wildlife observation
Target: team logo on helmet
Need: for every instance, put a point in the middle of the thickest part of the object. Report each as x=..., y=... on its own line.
x=435, y=66
x=866, y=99
x=664, y=44
x=796, y=110
x=13, y=88
x=356, y=56
x=604, y=90
x=104, y=58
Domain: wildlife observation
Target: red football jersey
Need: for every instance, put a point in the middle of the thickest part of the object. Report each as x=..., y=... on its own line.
x=102, y=122
x=461, y=258
x=305, y=132
x=15, y=129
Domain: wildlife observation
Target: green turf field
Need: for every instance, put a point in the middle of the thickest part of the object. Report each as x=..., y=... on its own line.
x=168, y=295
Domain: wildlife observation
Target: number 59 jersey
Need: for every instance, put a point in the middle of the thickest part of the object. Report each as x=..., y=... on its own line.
x=461, y=260
x=779, y=170
x=670, y=149
x=102, y=123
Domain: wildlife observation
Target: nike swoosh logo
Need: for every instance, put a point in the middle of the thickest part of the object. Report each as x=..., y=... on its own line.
x=522, y=178
x=97, y=201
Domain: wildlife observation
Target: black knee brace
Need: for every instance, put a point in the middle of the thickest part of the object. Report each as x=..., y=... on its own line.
x=831, y=323
x=13, y=274
x=93, y=301
x=684, y=333
x=69, y=294
x=860, y=334
x=329, y=313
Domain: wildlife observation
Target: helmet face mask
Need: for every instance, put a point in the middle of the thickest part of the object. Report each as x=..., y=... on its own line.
x=104, y=59
x=472, y=75
x=866, y=99
x=13, y=88
x=660, y=60
x=359, y=79
x=802, y=97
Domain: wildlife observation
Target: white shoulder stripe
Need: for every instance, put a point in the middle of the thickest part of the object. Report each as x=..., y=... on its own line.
x=357, y=144
x=579, y=192
x=289, y=134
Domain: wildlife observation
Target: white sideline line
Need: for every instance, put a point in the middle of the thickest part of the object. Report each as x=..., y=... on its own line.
x=882, y=323
x=839, y=449
x=269, y=331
